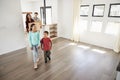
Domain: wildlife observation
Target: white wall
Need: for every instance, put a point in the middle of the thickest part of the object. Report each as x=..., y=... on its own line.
x=100, y=39
x=36, y=6
x=26, y=6
x=65, y=19
x=54, y=4
x=11, y=28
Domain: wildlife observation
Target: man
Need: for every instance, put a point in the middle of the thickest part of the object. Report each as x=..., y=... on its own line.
x=37, y=21
x=35, y=18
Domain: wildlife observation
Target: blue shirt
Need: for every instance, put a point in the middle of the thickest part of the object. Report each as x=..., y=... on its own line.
x=34, y=38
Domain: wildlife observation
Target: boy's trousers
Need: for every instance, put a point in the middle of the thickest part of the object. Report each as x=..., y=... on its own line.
x=47, y=55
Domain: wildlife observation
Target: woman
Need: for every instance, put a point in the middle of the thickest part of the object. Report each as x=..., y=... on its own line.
x=28, y=20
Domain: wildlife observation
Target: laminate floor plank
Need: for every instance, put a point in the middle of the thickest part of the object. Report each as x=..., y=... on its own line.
x=70, y=61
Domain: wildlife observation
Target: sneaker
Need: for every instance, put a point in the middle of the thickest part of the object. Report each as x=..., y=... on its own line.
x=45, y=61
x=49, y=58
x=35, y=66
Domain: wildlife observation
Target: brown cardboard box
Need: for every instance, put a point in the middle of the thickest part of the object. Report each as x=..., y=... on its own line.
x=38, y=25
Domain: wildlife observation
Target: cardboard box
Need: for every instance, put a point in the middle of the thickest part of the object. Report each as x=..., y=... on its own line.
x=38, y=25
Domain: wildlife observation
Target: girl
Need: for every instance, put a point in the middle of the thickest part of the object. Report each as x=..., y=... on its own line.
x=28, y=20
x=34, y=39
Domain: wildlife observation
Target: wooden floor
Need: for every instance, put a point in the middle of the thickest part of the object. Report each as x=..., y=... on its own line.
x=70, y=61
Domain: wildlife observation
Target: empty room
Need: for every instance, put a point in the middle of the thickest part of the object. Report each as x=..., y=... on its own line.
x=59, y=39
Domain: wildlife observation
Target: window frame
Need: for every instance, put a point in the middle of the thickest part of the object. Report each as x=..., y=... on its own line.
x=44, y=14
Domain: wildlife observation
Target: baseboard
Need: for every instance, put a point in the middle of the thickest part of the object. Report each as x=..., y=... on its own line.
x=54, y=38
x=67, y=39
x=88, y=44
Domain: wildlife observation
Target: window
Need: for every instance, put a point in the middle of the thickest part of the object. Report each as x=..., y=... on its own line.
x=112, y=28
x=48, y=16
x=98, y=10
x=96, y=26
x=84, y=10
x=114, y=10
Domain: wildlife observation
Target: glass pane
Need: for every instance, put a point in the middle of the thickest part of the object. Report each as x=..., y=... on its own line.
x=115, y=10
x=48, y=15
x=96, y=26
x=112, y=28
x=99, y=10
x=42, y=15
x=84, y=10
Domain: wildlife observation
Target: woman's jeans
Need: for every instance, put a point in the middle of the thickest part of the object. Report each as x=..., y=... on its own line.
x=35, y=53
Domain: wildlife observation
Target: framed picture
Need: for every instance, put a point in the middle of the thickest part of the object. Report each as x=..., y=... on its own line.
x=114, y=10
x=84, y=10
x=98, y=10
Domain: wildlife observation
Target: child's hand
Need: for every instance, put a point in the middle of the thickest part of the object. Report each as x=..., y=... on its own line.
x=42, y=48
x=38, y=47
x=31, y=48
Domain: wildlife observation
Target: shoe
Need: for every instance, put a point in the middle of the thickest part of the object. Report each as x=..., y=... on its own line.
x=45, y=61
x=35, y=66
x=49, y=58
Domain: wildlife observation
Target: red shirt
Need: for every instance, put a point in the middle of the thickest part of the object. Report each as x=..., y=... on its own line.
x=46, y=44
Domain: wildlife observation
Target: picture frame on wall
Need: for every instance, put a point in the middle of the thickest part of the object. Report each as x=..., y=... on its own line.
x=114, y=10
x=98, y=10
x=84, y=10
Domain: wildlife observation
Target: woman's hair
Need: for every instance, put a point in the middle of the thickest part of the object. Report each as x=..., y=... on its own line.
x=28, y=14
x=32, y=26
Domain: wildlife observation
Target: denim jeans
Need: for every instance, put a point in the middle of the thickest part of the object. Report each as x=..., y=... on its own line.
x=35, y=53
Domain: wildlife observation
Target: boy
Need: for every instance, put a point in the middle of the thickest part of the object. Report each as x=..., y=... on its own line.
x=46, y=45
